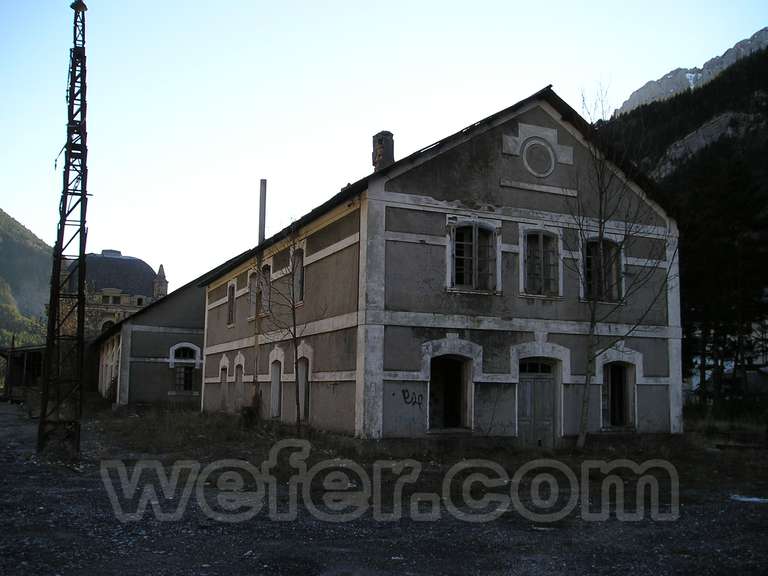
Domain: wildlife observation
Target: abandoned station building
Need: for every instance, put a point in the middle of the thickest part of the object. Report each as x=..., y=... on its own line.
x=452, y=291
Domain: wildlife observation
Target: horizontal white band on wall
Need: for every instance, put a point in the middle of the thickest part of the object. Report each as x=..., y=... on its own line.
x=165, y=329
x=464, y=322
x=415, y=238
x=417, y=376
x=559, y=190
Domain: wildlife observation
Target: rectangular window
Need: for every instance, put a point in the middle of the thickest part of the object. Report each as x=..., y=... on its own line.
x=231, y=304
x=602, y=271
x=184, y=376
x=115, y=299
x=266, y=288
x=254, y=296
x=542, y=264
x=298, y=275
x=474, y=258
x=105, y=299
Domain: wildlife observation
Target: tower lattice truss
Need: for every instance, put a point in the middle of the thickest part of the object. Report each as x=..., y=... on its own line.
x=61, y=400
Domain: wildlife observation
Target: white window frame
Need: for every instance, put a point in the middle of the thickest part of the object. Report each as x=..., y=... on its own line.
x=523, y=231
x=197, y=360
x=494, y=227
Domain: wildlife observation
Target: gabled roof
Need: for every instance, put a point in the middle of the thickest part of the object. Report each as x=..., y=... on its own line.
x=347, y=193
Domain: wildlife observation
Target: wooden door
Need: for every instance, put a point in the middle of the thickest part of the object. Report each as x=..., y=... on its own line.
x=536, y=410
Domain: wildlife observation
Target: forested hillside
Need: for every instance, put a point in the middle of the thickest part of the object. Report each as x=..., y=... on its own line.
x=706, y=149
x=25, y=268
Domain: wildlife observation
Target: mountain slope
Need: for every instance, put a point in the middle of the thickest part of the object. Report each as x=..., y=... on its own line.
x=706, y=149
x=683, y=79
x=25, y=271
x=663, y=135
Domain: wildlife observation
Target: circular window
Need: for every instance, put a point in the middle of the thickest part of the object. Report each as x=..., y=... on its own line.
x=538, y=157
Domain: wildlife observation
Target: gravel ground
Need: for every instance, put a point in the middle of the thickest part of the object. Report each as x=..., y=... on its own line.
x=57, y=519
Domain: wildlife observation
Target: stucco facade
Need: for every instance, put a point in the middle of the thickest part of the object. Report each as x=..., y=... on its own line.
x=155, y=356
x=451, y=292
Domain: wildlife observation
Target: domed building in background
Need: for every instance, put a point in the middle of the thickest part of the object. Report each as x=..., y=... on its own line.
x=116, y=287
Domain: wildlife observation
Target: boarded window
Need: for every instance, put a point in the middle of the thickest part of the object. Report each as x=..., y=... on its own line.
x=542, y=264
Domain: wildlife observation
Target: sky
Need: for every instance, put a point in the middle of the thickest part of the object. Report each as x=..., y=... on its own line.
x=191, y=103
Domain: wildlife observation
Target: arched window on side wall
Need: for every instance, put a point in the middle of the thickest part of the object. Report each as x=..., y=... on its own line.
x=184, y=359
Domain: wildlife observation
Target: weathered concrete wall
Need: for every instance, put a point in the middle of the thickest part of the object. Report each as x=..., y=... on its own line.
x=572, y=399
x=654, y=350
x=406, y=404
x=402, y=346
x=652, y=408
x=495, y=409
x=147, y=376
x=334, y=232
x=154, y=383
x=405, y=409
x=183, y=308
x=414, y=221
x=332, y=406
x=470, y=174
x=416, y=282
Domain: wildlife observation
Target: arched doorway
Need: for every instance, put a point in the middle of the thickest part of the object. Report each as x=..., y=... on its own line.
x=536, y=403
x=450, y=397
x=618, y=395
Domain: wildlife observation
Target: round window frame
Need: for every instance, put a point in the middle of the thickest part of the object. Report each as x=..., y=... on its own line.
x=544, y=144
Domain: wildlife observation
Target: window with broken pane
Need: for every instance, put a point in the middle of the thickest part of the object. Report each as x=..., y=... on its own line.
x=474, y=258
x=542, y=264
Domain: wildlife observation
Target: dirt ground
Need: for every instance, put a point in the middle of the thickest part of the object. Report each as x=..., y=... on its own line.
x=57, y=518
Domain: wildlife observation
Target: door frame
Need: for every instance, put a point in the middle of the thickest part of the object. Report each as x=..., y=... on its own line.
x=557, y=395
x=468, y=386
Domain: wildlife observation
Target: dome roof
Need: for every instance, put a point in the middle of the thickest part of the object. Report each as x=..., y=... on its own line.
x=111, y=269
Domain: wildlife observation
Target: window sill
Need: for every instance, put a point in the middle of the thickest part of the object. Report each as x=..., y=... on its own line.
x=611, y=302
x=230, y=325
x=473, y=291
x=183, y=393
x=541, y=296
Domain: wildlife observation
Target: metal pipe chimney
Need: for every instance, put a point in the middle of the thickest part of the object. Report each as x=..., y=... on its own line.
x=262, y=210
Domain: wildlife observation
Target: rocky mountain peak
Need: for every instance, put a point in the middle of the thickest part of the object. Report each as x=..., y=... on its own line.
x=682, y=79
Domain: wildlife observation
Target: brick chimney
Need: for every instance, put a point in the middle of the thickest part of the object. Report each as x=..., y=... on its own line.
x=383, y=150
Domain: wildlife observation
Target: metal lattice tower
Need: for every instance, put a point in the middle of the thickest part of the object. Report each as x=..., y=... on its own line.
x=61, y=400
